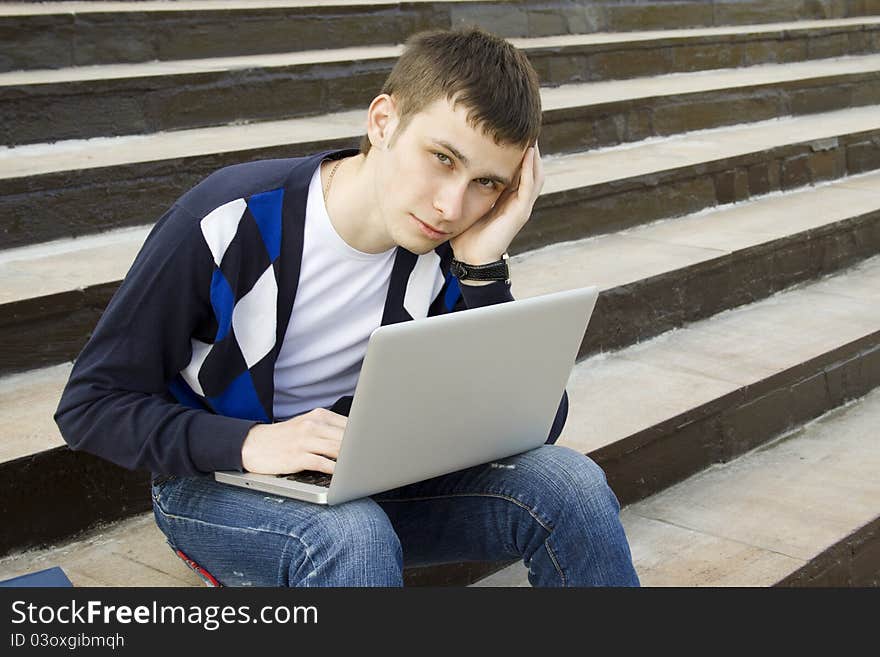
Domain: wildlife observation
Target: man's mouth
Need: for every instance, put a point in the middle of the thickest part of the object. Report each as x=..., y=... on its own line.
x=428, y=230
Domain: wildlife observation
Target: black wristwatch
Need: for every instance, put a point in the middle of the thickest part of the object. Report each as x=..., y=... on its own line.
x=494, y=271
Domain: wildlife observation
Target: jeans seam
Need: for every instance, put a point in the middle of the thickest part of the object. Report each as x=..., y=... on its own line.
x=254, y=529
x=554, y=560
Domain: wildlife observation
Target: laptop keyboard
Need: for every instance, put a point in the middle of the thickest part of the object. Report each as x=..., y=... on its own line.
x=310, y=477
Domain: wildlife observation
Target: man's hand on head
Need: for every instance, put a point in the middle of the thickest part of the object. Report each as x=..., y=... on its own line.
x=490, y=236
x=306, y=442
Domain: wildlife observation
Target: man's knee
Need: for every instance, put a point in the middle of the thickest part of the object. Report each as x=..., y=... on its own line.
x=574, y=479
x=353, y=544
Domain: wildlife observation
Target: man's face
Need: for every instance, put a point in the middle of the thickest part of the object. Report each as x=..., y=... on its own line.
x=440, y=176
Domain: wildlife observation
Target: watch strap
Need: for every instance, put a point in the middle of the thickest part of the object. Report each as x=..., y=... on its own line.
x=493, y=271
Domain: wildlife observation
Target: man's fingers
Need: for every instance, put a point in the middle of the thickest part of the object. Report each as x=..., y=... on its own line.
x=539, y=166
x=535, y=176
x=319, y=463
x=328, y=447
x=329, y=417
x=527, y=177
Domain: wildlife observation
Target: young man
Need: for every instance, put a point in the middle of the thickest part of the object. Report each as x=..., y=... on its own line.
x=236, y=340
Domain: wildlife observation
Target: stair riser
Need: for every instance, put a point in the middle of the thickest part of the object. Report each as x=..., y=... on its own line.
x=52, y=495
x=50, y=330
x=80, y=110
x=73, y=110
x=660, y=456
x=61, y=40
x=642, y=15
x=853, y=561
x=644, y=309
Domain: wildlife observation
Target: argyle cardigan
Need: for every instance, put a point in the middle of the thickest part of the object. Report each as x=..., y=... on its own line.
x=181, y=363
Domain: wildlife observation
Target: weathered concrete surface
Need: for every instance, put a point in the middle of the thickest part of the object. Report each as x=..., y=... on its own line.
x=28, y=403
x=117, y=99
x=764, y=517
x=61, y=34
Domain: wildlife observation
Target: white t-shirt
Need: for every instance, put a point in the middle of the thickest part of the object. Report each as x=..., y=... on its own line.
x=339, y=302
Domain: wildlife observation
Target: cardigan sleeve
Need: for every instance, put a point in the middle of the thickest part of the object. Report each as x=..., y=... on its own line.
x=116, y=403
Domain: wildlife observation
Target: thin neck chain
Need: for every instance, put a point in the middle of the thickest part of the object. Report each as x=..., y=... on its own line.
x=330, y=179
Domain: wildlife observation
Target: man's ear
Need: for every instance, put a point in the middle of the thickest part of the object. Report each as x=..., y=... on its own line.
x=382, y=120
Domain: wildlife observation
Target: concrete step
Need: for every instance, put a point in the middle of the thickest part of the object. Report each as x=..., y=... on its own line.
x=62, y=34
x=803, y=510
x=117, y=99
x=657, y=413
x=49, y=191
x=652, y=278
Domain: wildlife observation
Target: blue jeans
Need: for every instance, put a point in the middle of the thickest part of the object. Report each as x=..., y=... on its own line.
x=550, y=507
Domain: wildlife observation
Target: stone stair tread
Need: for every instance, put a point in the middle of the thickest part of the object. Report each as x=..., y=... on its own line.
x=758, y=518
x=366, y=53
x=28, y=402
x=77, y=263
x=200, y=65
x=789, y=27
x=130, y=552
x=42, y=8
x=183, y=6
x=68, y=264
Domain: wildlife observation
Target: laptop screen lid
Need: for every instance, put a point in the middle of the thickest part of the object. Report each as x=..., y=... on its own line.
x=444, y=393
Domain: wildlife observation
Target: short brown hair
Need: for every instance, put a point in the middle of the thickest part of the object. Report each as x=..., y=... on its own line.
x=487, y=74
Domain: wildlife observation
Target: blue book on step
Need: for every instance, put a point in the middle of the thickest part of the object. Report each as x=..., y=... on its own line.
x=54, y=577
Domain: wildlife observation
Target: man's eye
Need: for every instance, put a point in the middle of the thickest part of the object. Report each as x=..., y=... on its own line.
x=441, y=155
x=486, y=182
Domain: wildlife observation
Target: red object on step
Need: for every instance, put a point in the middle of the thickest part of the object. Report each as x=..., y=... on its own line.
x=201, y=572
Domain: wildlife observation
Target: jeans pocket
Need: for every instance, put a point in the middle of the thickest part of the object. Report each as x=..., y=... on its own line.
x=158, y=484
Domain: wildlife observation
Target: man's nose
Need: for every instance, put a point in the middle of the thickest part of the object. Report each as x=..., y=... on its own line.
x=449, y=200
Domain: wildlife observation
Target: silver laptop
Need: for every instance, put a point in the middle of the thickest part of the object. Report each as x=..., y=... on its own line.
x=445, y=393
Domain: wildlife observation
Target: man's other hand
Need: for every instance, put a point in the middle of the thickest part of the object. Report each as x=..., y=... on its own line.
x=490, y=236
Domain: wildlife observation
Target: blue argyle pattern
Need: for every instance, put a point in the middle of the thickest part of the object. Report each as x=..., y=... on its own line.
x=244, y=237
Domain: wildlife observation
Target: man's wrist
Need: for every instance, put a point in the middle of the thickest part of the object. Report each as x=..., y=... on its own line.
x=477, y=259
x=470, y=283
